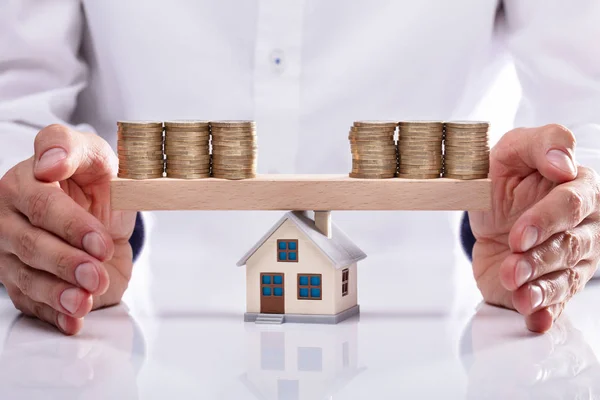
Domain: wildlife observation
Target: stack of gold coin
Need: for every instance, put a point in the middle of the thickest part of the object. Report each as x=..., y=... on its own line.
x=234, y=149
x=420, y=149
x=187, y=149
x=140, y=149
x=466, y=150
x=373, y=148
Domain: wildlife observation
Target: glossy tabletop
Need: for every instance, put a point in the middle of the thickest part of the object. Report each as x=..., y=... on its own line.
x=179, y=333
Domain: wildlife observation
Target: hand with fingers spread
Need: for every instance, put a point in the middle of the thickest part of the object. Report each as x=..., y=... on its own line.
x=540, y=243
x=63, y=251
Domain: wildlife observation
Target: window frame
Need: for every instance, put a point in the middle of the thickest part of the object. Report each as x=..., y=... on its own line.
x=309, y=286
x=272, y=286
x=287, y=251
x=345, y=282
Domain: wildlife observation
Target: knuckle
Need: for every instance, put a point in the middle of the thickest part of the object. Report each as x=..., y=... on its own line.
x=573, y=282
x=38, y=205
x=541, y=256
x=575, y=205
x=37, y=309
x=71, y=229
x=550, y=290
x=543, y=218
x=25, y=281
x=64, y=264
x=573, y=245
x=26, y=246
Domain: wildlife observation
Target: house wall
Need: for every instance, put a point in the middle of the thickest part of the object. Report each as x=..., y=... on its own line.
x=310, y=260
x=351, y=299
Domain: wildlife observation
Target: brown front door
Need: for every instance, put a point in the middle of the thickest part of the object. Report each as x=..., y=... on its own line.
x=271, y=293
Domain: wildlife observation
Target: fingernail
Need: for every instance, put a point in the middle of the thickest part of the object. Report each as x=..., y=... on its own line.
x=51, y=157
x=62, y=321
x=562, y=161
x=70, y=299
x=94, y=245
x=87, y=276
x=536, y=296
x=530, y=237
x=523, y=272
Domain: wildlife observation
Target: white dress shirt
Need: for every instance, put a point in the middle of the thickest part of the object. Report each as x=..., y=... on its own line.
x=304, y=70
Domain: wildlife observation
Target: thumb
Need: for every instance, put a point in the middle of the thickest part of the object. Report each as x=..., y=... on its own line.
x=62, y=153
x=548, y=149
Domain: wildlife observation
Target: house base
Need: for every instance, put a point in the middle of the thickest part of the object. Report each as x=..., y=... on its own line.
x=310, y=318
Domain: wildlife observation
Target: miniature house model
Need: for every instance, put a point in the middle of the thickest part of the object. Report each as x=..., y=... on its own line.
x=302, y=270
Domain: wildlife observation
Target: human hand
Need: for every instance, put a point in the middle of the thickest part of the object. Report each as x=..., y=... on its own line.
x=63, y=251
x=539, y=245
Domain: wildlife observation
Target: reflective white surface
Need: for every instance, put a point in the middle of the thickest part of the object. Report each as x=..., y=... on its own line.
x=179, y=334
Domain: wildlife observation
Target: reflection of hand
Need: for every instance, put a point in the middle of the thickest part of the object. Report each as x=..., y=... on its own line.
x=63, y=251
x=538, y=246
x=37, y=361
x=507, y=364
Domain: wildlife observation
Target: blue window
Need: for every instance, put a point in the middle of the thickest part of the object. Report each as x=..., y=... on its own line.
x=271, y=284
x=287, y=250
x=309, y=287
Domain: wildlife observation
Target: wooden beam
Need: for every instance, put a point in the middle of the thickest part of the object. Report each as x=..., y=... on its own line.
x=301, y=192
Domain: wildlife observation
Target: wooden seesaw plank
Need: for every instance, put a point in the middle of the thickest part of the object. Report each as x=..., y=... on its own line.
x=301, y=192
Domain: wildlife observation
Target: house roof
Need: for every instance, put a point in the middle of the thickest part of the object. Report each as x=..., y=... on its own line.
x=340, y=250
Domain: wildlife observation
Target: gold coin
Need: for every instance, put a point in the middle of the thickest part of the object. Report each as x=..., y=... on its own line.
x=233, y=123
x=139, y=176
x=188, y=157
x=466, y=177
x=233, y=176
x=174, y=175
x=376, y=123
x=419, y=175
x=136, y=154
x=187, y=123
x=371, y=175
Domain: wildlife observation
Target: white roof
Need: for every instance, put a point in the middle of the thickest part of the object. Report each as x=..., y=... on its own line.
x=340, y=250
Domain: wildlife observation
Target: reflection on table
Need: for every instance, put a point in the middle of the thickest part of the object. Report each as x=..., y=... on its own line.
x=39, y=362
x=503, y=361
x=299, y=361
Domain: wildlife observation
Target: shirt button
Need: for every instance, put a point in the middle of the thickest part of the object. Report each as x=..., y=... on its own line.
x=277, y=60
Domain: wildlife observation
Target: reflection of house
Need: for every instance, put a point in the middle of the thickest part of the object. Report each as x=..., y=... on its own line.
x=302, y=270
x=300, y=361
